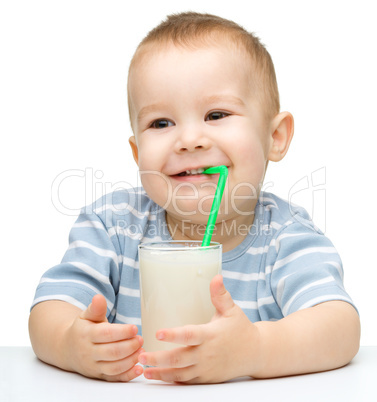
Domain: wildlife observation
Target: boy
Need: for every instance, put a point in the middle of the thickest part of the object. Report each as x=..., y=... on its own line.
x=202, y=92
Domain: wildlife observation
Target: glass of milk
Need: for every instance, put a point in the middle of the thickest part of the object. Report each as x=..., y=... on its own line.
x=174, y=286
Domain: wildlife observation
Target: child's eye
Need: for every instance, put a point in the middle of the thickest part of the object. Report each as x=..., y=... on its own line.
x=161, y=123
x=216, y=115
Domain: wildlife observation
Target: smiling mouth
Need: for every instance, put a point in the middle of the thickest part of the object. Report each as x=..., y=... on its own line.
x=192, y=172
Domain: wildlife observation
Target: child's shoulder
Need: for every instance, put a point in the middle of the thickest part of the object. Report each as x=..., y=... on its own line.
x=131, y=201
x=282, y=213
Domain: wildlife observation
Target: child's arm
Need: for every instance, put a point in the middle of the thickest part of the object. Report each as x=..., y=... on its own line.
x=315, y=339
x=83, y=341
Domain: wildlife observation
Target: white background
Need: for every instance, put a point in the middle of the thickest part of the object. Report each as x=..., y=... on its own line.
x=63, y=107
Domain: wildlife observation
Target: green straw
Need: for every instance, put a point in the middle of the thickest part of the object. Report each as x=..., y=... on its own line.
x=223, y=170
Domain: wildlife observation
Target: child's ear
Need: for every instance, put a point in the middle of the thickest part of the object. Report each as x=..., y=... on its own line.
x=135, y=151
x=282, y=132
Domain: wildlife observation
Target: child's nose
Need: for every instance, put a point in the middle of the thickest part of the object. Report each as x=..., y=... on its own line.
x=192, y=141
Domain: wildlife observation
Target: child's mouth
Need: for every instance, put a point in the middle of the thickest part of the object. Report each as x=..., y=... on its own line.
x=192, y=172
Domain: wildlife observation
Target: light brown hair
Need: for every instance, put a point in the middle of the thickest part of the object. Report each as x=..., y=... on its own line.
x=191, y=29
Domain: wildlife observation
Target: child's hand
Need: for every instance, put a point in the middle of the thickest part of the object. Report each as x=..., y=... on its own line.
x=98, y=349
x=225, y=348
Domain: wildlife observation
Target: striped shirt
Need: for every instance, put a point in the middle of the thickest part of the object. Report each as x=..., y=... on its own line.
x=284, y=264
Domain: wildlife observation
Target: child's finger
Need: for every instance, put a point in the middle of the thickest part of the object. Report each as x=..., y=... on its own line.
x=107, y=333
x=189, y=335
x=221, y=298
x=175, y=358
x=184, y=375
x=96, y=311
x=123, y=370
x=110, y=352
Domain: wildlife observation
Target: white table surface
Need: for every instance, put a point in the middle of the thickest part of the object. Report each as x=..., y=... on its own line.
x=24, y=378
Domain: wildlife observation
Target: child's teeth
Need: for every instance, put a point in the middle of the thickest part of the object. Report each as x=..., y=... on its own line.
x=195, y=171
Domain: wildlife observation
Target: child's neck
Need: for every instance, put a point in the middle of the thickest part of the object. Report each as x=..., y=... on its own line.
x=230, y=233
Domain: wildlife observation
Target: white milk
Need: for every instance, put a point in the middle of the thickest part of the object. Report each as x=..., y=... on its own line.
x=175, y=290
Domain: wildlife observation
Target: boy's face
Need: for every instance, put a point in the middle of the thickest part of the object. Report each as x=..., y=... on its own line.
x=192, y=109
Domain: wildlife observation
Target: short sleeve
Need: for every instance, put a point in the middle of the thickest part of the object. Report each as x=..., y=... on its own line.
x=90, y=266
x=306, y=269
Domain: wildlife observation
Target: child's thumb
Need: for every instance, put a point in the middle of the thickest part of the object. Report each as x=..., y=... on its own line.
x=221, y=298
x=96, y=311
